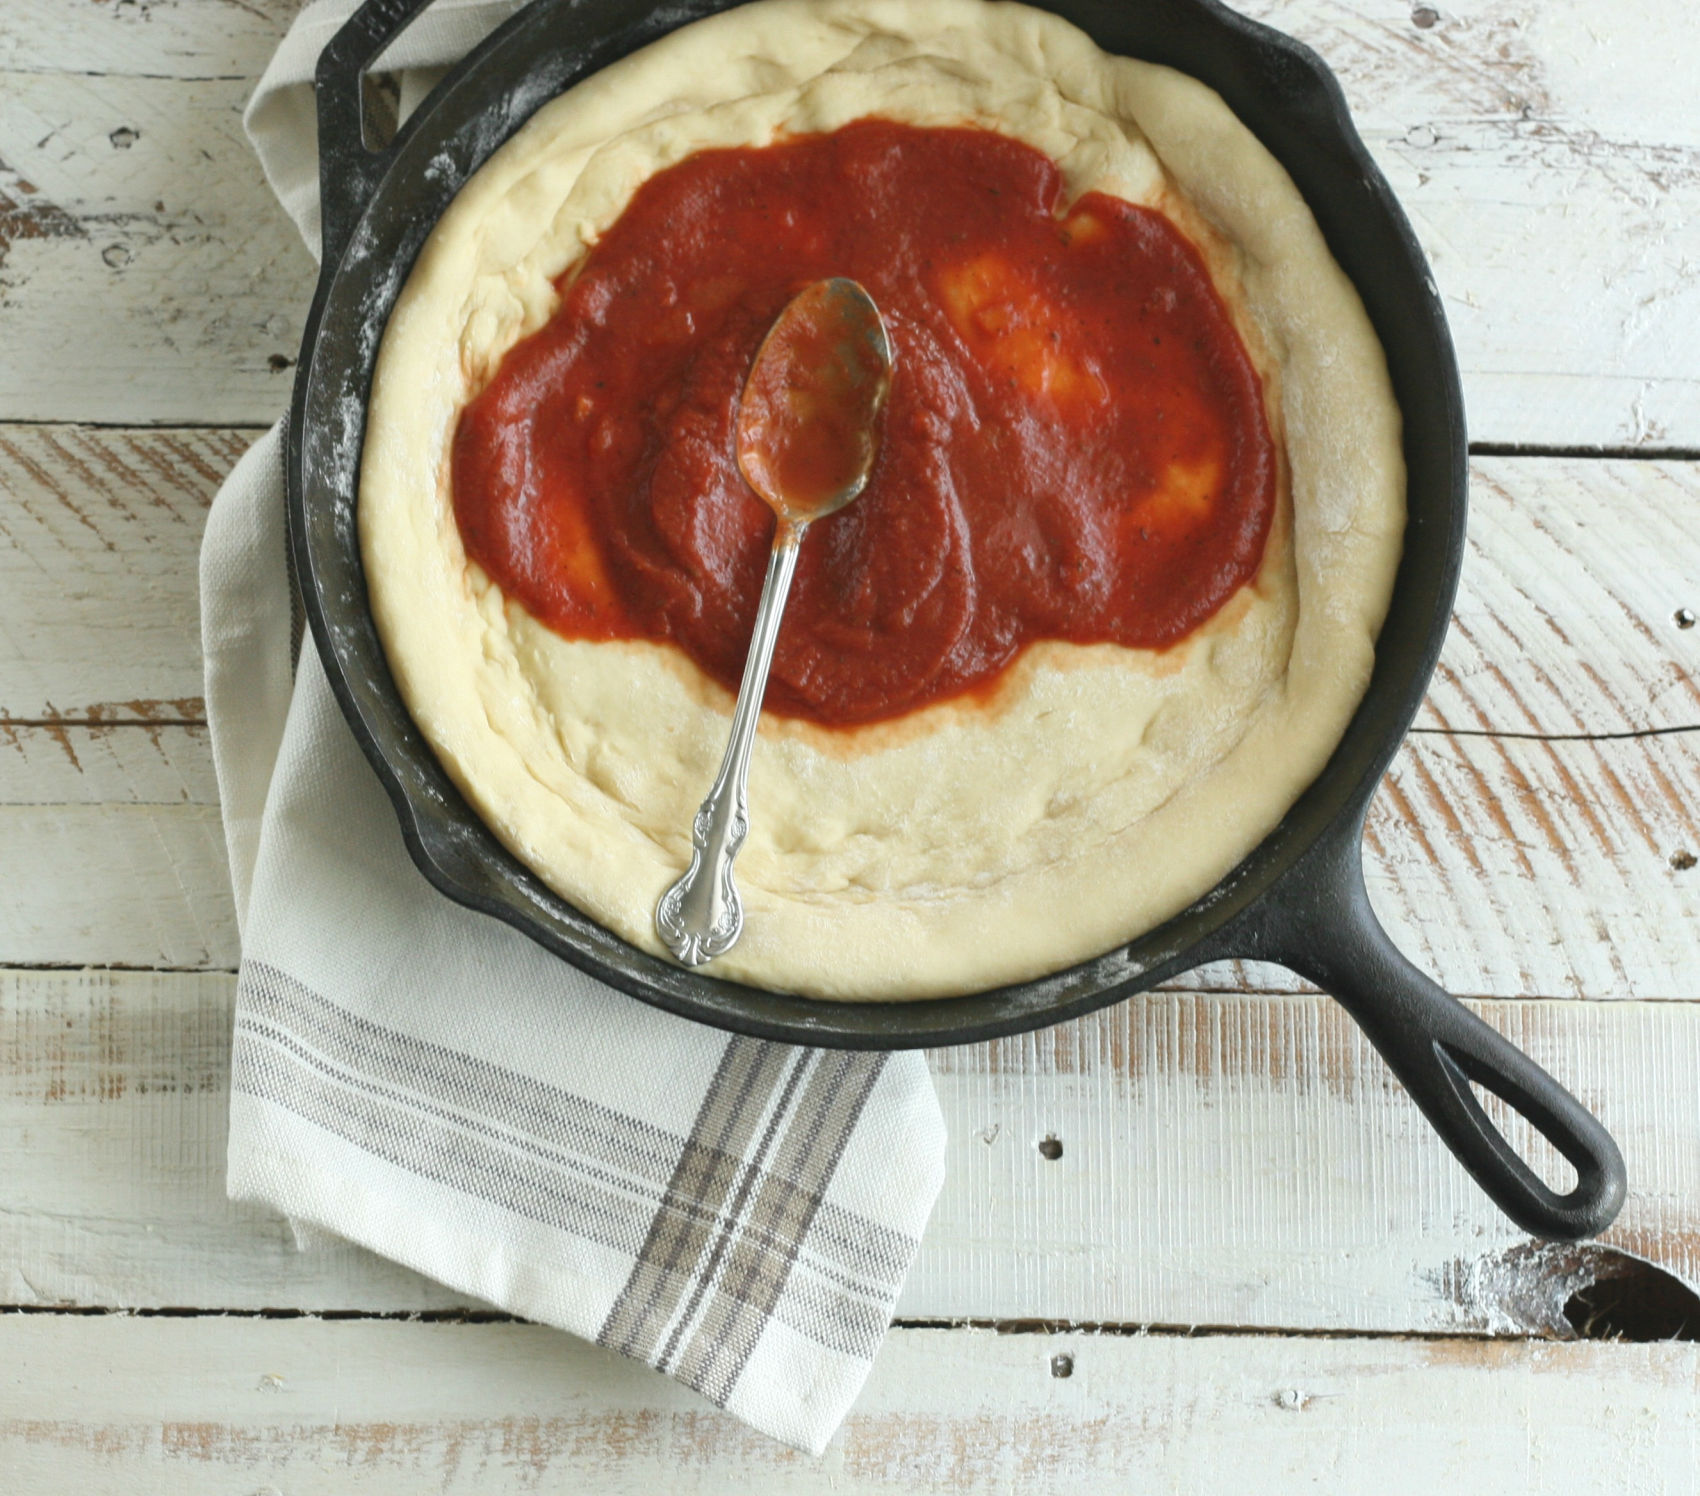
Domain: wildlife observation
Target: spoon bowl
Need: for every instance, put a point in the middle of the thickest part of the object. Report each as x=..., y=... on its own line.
x=807, y=417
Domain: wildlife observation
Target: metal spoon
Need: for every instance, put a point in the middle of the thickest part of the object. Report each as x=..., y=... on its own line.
x=806, y=444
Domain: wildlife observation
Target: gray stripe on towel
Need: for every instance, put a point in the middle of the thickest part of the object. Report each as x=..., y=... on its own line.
x=720, y=1239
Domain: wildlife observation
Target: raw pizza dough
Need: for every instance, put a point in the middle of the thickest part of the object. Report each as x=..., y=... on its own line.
x=963, y=846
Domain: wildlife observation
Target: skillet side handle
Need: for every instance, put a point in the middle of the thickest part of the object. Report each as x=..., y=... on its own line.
x=348, y=172
x=1436, y=1047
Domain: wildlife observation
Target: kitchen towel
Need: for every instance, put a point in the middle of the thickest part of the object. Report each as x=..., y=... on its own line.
x=425, y=1081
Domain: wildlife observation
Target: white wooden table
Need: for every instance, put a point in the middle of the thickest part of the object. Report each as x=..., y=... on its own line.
x=1252, y=1268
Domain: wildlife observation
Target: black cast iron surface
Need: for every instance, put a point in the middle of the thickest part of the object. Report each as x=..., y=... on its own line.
x=1298, y=899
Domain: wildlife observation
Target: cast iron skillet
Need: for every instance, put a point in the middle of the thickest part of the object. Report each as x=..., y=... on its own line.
x=1298, y=899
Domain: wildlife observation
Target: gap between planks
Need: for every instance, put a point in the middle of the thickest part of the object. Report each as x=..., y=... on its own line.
x=1145, y=1330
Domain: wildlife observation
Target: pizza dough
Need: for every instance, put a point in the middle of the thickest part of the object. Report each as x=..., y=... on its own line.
x=969, y=844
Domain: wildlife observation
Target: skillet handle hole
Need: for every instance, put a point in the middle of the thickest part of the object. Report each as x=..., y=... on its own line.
x=1530, y=1144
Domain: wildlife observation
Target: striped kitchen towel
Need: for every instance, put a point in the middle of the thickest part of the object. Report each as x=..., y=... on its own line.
x=424, y=1081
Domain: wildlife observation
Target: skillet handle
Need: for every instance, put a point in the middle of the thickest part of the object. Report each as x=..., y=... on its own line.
x=349, y=173
x=1436, y=1046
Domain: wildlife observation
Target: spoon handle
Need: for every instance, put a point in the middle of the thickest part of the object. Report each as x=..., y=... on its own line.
x=700, y=917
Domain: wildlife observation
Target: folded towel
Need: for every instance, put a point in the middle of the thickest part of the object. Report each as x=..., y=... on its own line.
x=425, y=1081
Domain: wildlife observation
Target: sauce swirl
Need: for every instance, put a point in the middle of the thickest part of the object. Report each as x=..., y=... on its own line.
x=1074, y=446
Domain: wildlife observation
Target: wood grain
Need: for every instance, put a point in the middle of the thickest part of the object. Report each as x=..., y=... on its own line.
x=136, y=230
x=114, y=838
x=1234, y=1160
x=219, y=40
x=113, y=1404
x=1555, y=199
x=1569, y=620
x=99, y=537
x=1528, y=867
x=1262, y=1126
x=1548, y=156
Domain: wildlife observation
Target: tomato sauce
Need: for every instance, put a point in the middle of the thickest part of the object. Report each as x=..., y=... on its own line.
x=1074, y=446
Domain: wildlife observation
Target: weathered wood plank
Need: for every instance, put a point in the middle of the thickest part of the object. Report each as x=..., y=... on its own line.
x=1542, y=868
x=162, y=38
x=115, y=846
x=135, y=1213
x=1261, y=1125
x=99, y=535
x=1548, y=156
x=1567, y=620
x=114, y=1404
x=1576, y=609
x=1557, y=204
x=134, y=764
x=1506, y=867
x=1269, y=1130
x=146, y=272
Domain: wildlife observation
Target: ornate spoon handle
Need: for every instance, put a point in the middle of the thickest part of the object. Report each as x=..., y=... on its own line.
x=700, y=916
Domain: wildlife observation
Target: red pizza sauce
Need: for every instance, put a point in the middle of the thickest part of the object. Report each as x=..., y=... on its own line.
x=1074, y=446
